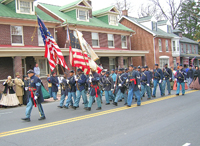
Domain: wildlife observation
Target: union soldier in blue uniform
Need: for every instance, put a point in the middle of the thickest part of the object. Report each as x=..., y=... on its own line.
x=167, y=73
x=71, y=89
x=133, y=80
x=145, y=82
x=151, y=78
x=55, y=84
x=94, y=90
x=158, y=78
x=119, y=86
x=35, y=96
x=125, y=85
x=80, y=89
x=181, y=79
x=102, y=78
x=108, y=85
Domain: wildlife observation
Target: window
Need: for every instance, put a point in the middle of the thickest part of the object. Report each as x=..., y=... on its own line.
x=125, y=63
x=16, y=35
x=160, y=45
x=178, y=45
x=154, y=26
x=167, y=46
x=182, y=51
x=187, y=49
x=169, y=29
x=83, y=15
x=43, y=66
x=40, y=39
x=110, y=40
x=190, y=49
x=124, y=41
x=113, y=20
x=174, y=46
x=197, y=49
x=24, y=7
x=95, y=39
x=111, y=63
x=163, y=61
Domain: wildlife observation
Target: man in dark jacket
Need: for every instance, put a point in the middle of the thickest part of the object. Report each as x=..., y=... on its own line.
x=55, y=84
x=190, y=75
x=35, y=97
x=145, y=82
x=181, y=79
x=167, y=73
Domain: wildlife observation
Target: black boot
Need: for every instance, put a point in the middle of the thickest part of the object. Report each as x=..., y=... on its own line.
x=88, y=109
x=60, y=106
x=115, y=103
x=26, y=119
x=42, y=118
x=99, y=108
x=74, y=107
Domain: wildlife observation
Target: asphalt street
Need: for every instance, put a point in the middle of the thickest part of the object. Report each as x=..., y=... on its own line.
x=169, y=121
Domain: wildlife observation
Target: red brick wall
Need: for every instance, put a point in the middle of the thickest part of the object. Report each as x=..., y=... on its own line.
x=51, y=30
x=18, y=65
x=61, y=36
x=88, y=37
x=103, y=39
x=6, y=67
x=28, y=32
x=120, y=62
x=142, y=40
x=47, y=12
x=5, y=34
x=117, y=41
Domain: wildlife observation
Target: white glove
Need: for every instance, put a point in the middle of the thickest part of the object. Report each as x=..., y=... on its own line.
x=120, y=85
x=112, y=90
x=160, y=81
x=4, y=83
x=76, y=79
x=139, y=86
x=163, y=78
x=127, y=80
x=67, y=81
x=114, y=85
x=147, y=84
x=152, y=80
x=26, y=88
x=175, y=79
x=90, y=80
x=170, y=78
x=88, y=89
x=185, y=81
x=35, y=97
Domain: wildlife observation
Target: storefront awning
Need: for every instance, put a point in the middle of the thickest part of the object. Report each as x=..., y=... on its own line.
x=190, y=56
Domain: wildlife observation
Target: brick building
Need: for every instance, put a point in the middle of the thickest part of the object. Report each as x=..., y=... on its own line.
x=109, y=39
x=18, y=53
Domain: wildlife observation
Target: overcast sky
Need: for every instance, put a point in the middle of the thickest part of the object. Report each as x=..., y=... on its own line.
x=99, y=4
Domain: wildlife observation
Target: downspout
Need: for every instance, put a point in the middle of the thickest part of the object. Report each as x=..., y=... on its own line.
x=154, y=50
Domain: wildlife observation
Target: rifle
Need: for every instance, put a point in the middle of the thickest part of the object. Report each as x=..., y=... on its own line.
x=36, y=101
x=115, y=84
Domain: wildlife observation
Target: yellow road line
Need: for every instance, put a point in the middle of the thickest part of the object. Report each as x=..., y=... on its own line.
x=13, y=132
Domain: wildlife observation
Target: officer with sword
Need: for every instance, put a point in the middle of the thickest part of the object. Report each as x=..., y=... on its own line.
x=35, y=97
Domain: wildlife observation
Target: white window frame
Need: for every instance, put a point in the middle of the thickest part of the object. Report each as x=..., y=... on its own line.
x=86, y=12
x=112, y=22
x=95, y=33
x=113, y=63
x=169, y=29
x=124, y=47
x=17, y=44
x=156, y=25
x=40, y=38
x=174, y=46
x=162, y=64
x=160, y=45
x=111, y=40
x=178, y=46
x=18, y=7
x=167, y=45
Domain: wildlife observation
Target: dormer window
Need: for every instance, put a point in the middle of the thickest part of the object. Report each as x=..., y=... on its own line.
x=169, y=29
x=113, y=20
x=25, y=7
x=83, y=15
x=154, y=26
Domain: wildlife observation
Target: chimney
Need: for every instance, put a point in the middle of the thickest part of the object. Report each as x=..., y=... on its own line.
x=90, y=11
x=124, y=12
x=180, y=34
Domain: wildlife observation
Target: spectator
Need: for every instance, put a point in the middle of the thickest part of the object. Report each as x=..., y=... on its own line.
x=190, y=75
x=9, y=97
x=36, y=70
x=55, y=84
x=49, y=85
x=19, y=88
x=100, y=65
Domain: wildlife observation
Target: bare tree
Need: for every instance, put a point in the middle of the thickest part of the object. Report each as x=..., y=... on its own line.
x=169, y=11
x=123, y=5
x=150, y=10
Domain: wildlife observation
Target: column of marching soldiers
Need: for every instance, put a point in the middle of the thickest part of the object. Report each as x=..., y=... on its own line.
x=127, y=84
x=120, y=84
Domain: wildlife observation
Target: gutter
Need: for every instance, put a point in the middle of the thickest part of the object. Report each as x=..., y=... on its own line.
x=154, y=50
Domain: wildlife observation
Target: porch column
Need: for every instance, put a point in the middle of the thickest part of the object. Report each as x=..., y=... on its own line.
x=120, y=62
x=17, y=64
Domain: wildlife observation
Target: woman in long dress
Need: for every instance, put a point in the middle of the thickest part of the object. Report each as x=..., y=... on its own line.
x=196, y=82
x=9, y=97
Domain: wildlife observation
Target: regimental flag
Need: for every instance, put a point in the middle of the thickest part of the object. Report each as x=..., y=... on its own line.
x=192, y=61
x=52, y=51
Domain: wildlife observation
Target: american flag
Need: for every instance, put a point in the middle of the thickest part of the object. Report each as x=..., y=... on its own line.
x=77, y=57
x=81, y=55
x=52, y=51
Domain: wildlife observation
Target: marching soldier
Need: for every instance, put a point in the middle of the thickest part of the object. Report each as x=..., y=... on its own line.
x=102, y=78
x=133, y=80
x=151, y=78
x=181, y=79
x=145, y=82
x=158, y=77
x=94, y=90
x=35, y=97
x=55, y=84
x=80, y=89
x=118, y=87
x=125, y=94
x=108, y=88
x=114, y=76
x=167, y=72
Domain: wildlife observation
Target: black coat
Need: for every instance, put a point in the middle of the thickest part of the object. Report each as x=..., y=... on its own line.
x=8, y=87
x=197, y=74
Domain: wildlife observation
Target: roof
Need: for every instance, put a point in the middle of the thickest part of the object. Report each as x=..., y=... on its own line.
x=159, y=32
x=10, y=13
x=162, y=22
x=186, y=40
x=95, y=22
x=142, y=19
x=70, y=4
x=176, y=30
x=101, y=11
